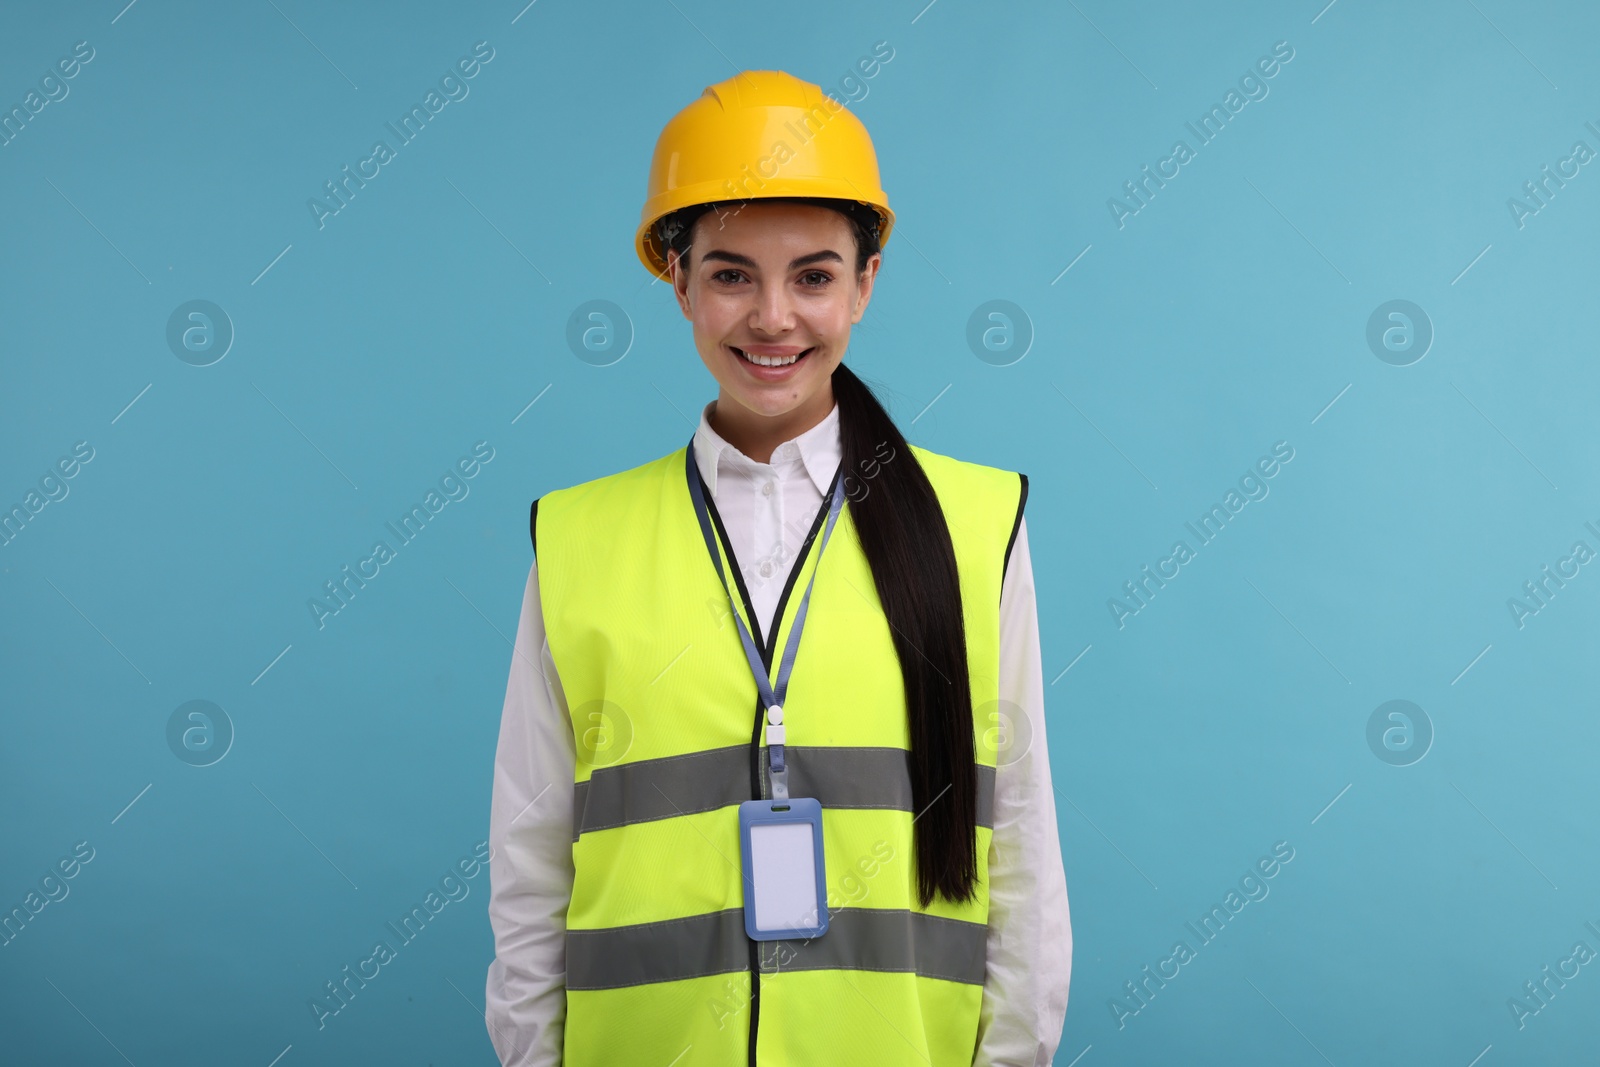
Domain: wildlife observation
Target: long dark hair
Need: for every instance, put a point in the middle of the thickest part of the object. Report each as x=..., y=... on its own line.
x=907, y=543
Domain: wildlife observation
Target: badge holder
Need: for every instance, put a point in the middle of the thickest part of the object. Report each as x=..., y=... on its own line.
x=780, y=844
x=784, y=883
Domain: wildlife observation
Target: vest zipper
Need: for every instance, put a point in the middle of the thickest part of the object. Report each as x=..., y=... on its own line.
x=767, y=647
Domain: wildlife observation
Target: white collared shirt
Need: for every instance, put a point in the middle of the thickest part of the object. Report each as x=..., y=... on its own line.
x=767, y=509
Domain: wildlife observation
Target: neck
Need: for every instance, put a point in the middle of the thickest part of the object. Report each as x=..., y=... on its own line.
x=758, y=435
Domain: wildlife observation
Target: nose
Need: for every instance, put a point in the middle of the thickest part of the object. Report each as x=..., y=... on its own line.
x=772, y=310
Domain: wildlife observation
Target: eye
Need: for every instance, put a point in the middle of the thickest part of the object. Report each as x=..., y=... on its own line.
x=719, y=276
x=824, y=277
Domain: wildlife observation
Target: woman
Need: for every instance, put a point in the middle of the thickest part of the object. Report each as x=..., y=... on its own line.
x=659, y=689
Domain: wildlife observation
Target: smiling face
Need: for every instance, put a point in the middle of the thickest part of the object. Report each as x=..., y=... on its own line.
x=771, y=280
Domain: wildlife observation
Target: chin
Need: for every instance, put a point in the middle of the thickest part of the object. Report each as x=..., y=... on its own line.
x=771, y=404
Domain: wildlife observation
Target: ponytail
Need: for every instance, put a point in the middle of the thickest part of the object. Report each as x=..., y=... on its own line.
x=906, y=541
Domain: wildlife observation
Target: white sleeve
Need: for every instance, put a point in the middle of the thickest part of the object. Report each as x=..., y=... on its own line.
x=530, y=866
x=1030, y=929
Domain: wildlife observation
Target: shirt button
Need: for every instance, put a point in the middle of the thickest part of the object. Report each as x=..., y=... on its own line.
x=766, y=569
x=766, y=490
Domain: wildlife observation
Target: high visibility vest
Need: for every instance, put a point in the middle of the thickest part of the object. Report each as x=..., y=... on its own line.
x=666, y=722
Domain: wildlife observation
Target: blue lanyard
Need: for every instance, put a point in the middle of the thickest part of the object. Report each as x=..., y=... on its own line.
x=771, y=697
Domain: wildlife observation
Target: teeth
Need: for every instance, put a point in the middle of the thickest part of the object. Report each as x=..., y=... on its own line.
x=768, y=361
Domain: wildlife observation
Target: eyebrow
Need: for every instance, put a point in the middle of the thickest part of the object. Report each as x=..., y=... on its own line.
x=827, y=255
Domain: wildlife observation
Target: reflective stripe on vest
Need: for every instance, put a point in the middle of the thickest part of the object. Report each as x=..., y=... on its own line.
x=666, y=724
x=642, y=790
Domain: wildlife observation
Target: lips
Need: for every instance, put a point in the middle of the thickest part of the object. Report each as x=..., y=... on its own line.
x=765, y=372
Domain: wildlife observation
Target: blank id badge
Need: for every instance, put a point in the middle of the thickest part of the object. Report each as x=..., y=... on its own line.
x=785, y=885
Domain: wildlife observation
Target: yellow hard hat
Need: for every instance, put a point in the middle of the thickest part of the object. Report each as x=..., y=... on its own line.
x=761, y=133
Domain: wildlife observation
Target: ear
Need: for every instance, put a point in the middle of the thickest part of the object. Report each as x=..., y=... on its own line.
x=864, y=287
x=680, y=282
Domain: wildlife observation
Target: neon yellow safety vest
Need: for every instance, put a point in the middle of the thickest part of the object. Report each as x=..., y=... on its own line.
x=666, y=720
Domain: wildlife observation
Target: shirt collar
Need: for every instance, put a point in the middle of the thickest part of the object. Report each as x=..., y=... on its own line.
x=817, y=451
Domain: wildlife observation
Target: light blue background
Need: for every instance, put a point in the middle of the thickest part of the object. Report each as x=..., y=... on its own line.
x=1229, y=314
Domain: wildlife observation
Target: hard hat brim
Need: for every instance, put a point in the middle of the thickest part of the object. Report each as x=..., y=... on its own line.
x=715, y=192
